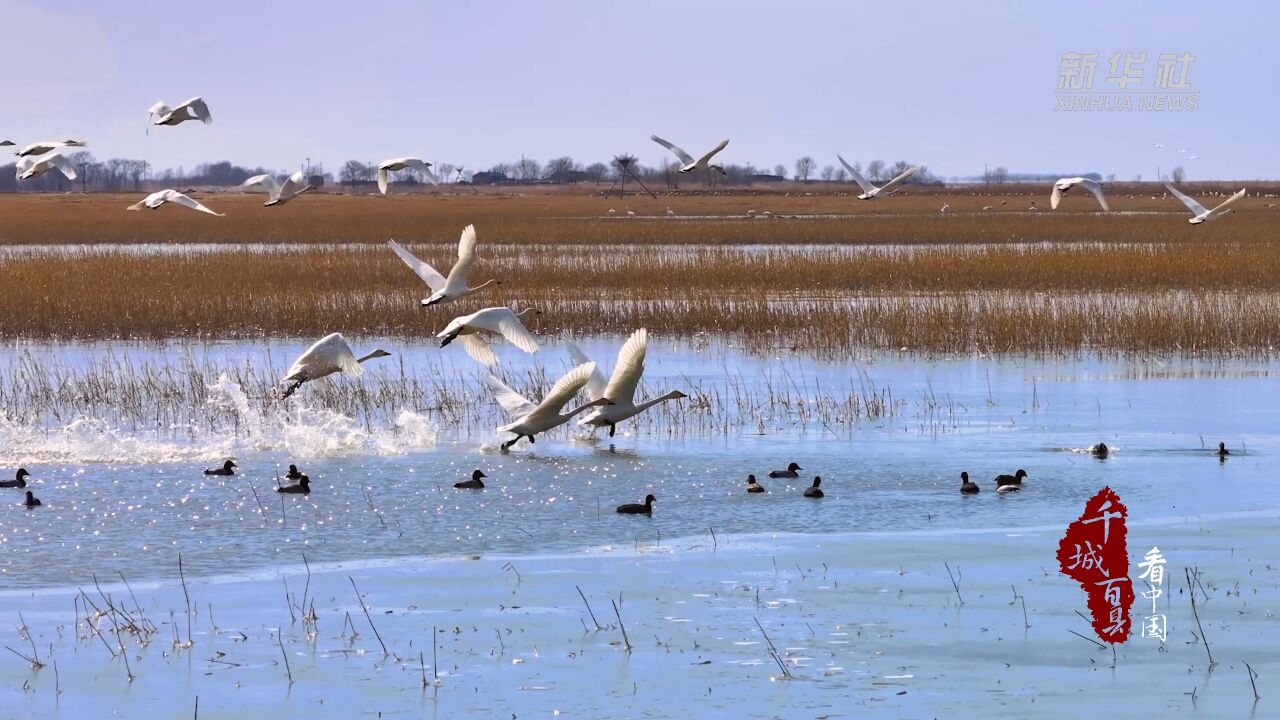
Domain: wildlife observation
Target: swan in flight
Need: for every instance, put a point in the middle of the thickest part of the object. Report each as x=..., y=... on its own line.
x=529, y=419
x=869, y=191
x=386, y=167
x=690, y=164
x=455, y=286
x=329, y=355
x=621, y=387
x=294, y=186
x=156, y=199
x=193, y=109
x=498, y=320
x=1062, y=186
x=29, y=167
x=1201, y=214
x=45, y=146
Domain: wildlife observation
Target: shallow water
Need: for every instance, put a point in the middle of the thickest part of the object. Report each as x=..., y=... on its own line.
x=130, y=500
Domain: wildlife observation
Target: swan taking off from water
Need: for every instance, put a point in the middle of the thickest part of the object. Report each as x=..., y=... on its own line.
x=295, y=185
x=45, y=146
x=156, y=199
x=29, y=167
x=529, y=419
x=386, y=167
x=329, y=355
x=1201, y=214
x=1062, y=186
x=193, y=109
x=621, y=387
x=498, y=320
x=690, y=164
x=455, y=286
x=869, y=191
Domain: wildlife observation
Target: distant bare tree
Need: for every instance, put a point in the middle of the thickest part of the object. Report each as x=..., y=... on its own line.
x=875, y=169
x=1111, y=177
x=559, y=165
x=804, y=168
x=527, y=169
x=828, y=173
x=1178, y=174
x=841, y=175
x=670, y=173
x=354, y=173
x=597, y=171
x=780, y=171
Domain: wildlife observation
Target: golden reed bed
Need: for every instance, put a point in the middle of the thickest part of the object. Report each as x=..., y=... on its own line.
x=890, y=274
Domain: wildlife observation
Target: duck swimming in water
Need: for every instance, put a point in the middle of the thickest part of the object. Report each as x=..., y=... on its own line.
x=790, y=472
x=1014, y=479
x=1222, y=450
x=753, y=486
x=294, y=473
x=1100, y=451
x=475, y=483
x=638, y=509
x=814, y=491
x=302, y=488
x=226, y=469
x=19, y=480
x=970, y=488
x=32, y=500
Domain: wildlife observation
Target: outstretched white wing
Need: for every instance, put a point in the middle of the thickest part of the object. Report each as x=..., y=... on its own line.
x=685, y=157
x=294, y=184
x=174, y=196
x=857, y=176
x=479, y=349
x=512, y=402
x=328, y=353
x=58, y=161
x=1222, y=208
x=707, y=158
x=1056, y=196
x=565, y=388
x=198, y=108
x=1095, y=187
x=433, y=279
x=505, y=322
x=383, y=174
x=905, y=174
x=457, y=279
x=1195, y=207
x=626, y=374
x=596, y=383
x=266, y=182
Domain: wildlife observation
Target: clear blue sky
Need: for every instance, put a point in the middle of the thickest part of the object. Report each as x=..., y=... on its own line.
x=952, y=86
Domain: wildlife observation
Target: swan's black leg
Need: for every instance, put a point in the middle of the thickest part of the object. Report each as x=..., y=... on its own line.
x=507, y=445
x=612, y=428
x=531, y=440
x=290, y=390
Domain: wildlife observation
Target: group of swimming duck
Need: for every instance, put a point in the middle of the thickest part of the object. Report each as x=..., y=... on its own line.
x=301, y=486
x=20, y=481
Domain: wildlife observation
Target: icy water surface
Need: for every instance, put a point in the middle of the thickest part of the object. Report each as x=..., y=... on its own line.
x=128, y=500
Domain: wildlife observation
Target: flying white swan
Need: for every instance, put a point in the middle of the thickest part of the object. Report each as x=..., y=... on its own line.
x=455, y=286
x=193, y=109
x=869, y=191
x=529, y=419
x=498, y=320
x=1065, y=184
x=45, y=146
x=690, y=164
x=1201, y=214
x=386, y=167
x=294, y=186
x=156, y=199
x=621, y=387
x=329, y=355
x=29, y=167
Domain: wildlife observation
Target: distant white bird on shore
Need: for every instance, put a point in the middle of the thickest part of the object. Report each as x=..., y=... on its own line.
x=945, y=208
x=869, y=191
x=1201, y=215
x=529, y=419
x=1062, y=186
x=455, y=286
x=156, y=199
x=386, y=167
x=193, y=109
x=631, y=213
x=690, y=164
x=331, y=354
x=497, y=320
x=29, y=167
x=294, y=186
x=45, y=146
x=621, y=386
x=670, y=212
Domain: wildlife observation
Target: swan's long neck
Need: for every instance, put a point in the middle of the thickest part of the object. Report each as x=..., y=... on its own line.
x=566, y=417
x=646, y=405
x=481, y=286
x=370, y=356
